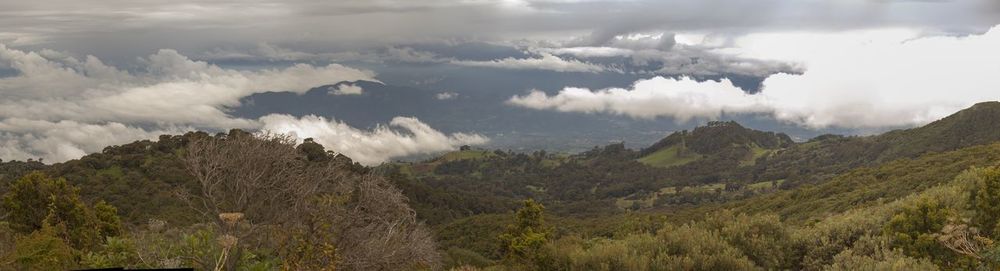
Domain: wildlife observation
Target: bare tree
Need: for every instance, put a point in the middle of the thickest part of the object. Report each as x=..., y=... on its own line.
x=261, y=176
x=261, y=182
x=379, y=231
x=247, y=180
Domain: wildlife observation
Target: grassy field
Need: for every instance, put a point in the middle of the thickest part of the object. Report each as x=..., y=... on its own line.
x=669, y=157
x=758, y=152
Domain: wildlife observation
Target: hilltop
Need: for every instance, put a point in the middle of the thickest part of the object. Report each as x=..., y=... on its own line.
x=607, y=192
x=714, y=142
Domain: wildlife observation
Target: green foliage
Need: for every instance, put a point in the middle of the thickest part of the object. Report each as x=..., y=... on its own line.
x=693, y=248
x=43, y=249
x=524, y=239
x=719, y=136
x=871, y=185
x=36, y=199
x=314, y=151
x=312, y=248
x=468, y=233
x=763, y=238
x=140, y=179
x=200, y=248
x=683, y=248
x=914, y=227
x=115, y=252
x=845, y=203
x=107, y=220
x=669, y=157
x=30, y=199
x=872, y=254
x=457, y=257
x=635, y=223
x=984, y=199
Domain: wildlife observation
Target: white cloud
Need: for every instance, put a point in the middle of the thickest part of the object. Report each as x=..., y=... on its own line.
x=375, y=146
x=173, y=89
x=678, y=98
x=694, y=61
x=58, y=107
x=645, y=54
x=545, y=62
x=446, y=95
x=64, y=140
x=853, y=79
x=346, y=89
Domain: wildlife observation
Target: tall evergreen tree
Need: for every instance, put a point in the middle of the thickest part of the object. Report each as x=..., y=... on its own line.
x=524, y=240
x=984, y=199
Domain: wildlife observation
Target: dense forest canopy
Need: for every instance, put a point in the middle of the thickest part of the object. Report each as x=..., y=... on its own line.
x=719, y=197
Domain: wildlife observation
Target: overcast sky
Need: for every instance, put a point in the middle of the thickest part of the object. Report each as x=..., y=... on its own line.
x=79, y=75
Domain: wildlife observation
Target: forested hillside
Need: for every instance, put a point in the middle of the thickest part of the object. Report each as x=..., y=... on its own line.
x=719, y=197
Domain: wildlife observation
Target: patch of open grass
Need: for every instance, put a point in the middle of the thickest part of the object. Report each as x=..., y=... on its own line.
x=669, y=157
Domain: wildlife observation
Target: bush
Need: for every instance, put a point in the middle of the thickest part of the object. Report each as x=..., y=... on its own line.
x=457, y=257
x=41, y=250
x=984, y=200
x=683, y=248
x=872, y=253
x=913, y=230
x=36, y=199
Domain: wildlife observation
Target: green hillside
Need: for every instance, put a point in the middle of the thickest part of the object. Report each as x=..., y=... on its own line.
x=719, y=197
x=871, y=185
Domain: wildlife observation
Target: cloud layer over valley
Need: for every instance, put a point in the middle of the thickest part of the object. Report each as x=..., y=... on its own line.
x=57, y=107
x=853, y=79
x=76, y=76
x=375, y=146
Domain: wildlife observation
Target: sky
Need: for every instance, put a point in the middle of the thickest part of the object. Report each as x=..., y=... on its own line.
x=379, y=80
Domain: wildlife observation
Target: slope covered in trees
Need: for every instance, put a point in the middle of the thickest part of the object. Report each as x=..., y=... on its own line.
x=718, y=197
x=718, y=141
x=235, y=201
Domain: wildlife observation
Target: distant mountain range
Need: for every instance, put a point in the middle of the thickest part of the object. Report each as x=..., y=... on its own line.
x=482, y=110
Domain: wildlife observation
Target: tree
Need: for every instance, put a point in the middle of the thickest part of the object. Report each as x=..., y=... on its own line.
x=107, y=220
x=914, y=227
x=36, y=199
x=314, y=151
x=377, y=230
x=28, y=201
x=248, y=180
x=43, y=249
x=984, y=199
x=262, y=176
x=319, y=211
x=524, y=239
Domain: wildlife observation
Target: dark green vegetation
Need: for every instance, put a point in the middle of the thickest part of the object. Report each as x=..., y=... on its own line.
x=720, y=197
x=231, y=201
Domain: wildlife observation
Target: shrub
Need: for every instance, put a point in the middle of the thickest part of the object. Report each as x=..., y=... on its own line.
x=41, y=250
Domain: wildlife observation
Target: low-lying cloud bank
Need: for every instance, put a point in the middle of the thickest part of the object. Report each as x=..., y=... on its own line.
x=856, y=79
x=168, y=88
x=370, y=147
x=682, y=99
x=65, y=140
x=59, y=107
